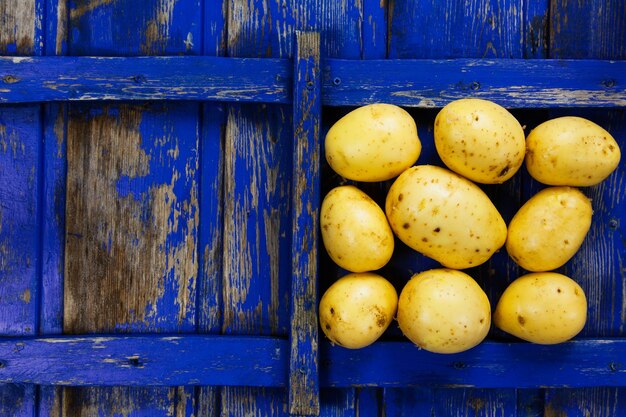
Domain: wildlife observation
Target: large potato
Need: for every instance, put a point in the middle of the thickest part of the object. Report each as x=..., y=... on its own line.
x=480, y=140
x=542, y=307
x=444, y=216
x=357, y=309
x=549, y=228
x=355, y=231
x=571, y=151
x=373, y=143
x=444, y=311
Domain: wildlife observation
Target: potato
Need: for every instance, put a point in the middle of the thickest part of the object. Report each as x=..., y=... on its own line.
x=355, y=231
x=571, y=151
x=444, y=216
x=444, y=311
x=549, y=228
x=542, y=307
x=480, y=140
x=357, y=309
x=373, y=143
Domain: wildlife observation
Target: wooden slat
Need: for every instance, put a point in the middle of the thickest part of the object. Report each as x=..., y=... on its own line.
x=577, y=363
x=139, y=78
x=513, y=83
x=166, y=360
x=146, y=361
x=305, y=197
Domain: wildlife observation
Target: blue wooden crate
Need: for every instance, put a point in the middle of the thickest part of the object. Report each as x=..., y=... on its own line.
x=159, y=214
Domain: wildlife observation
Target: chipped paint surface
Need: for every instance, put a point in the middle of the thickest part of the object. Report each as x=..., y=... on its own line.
x=130, y=235
x=157, y=30
x=18, y=17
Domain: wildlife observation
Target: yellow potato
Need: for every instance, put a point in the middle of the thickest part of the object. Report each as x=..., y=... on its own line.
x=444, y=311
x=355, y=231
x=542, y=307
x=357, y=309
x=480, y=140
x=373, y=143
x=444, y=216
x=571, y=151
x=549, y=228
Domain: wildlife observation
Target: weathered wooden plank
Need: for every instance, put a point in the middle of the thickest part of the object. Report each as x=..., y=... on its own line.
x=305, y=195
x=453, y=29
x=211, y=204
x=125, y=27
x=257, y=195
x=592, y=29
x=582, y=402
x=510, y=82
x=132, y=215
x=414, y=83
x=580, y=363
x=18, y=24
x=19, y=218
x=146, y=361
x=141, y=78
x=449, y=402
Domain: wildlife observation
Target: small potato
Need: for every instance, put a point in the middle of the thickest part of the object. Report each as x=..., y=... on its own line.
x=444, y=311
x=357, y=309
x=373, y=143
x=355, y=231
x=444, y=216
x=480, y=140
x=548, y=229
x=542, y=307
x=571, y=151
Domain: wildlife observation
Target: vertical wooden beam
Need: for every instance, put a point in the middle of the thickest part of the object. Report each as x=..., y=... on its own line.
x=303, y=366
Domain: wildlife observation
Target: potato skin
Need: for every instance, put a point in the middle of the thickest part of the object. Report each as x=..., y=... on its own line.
x=549, y=228
x=355, y=231
x=480, y=140
x=444, y=311
x=542, y=307
x=375, y=142
x=444, y=216
x=571, y=151
x=357, y=309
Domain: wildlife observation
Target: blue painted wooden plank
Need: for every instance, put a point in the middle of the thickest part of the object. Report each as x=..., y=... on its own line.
x=151, y=360
x=138, y=78
x=157, y=27
x=414, y=83
x=17, y=400
x=452, y=29
x=582, y=402
x=20, y=152
x=131, y=221
x=305, y=200
x=584, y=362
x=20, y=29
x=511, y=83
x=536, y=23
x=594, y=29
x=338, y=403
x=374, y=35
x=211, y=203
x=449, y=402
x=53, y=227
x=257, y=210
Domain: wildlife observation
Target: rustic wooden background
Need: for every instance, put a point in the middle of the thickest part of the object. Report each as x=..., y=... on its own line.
x=155, y=217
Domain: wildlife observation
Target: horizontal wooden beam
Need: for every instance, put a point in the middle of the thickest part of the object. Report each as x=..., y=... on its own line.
x=264, y=361
x=145, y=360
x=580, y=363
x=35, y=79
x=527, y=83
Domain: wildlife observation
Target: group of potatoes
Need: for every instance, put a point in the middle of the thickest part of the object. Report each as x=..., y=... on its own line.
x=443, y=214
